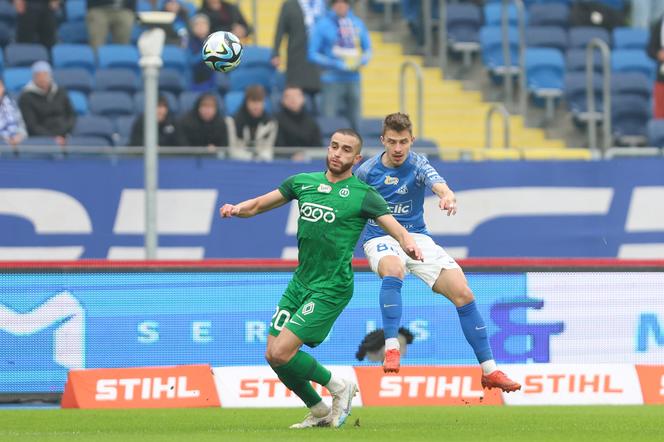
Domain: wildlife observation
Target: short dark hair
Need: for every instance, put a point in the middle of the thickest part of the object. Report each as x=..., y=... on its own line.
x=397, y=122
x=255, y=92
x=352, y=133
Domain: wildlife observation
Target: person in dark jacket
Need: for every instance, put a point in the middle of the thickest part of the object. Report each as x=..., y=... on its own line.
x=252, y=130
x=296, y=19
x=655, y=50
x=36, y=21
x=203, y=125
x=166, y=131
x=202, y=76
x=45, y=106
x=297, y=128
x=225, y=16
x=116, y=16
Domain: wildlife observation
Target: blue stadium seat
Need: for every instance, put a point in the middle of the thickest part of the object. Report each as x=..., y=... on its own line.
x=75, y=10
x=175, y=58
x=633, y=60
x=139, y=101
x=328, y=125
x=171, y=80
x=7, y=13
x=187, y=100
x=123, y=127
x=580, y=36
x=492, y=49
x=118, y=56
x=371, y=129
x=118, y=79
x=69, y=55
x=256, y=56
x=16, y=78
x=548, y=14
x=110, y=104
x=463, y=25
x=24, y=54
x=655, y=131
x=89, y=141
x=493, y=14
x=74, y=79
x=46, y=145
x=545, y=71
x=94, y=125
x=79, y=101
x=424, y=143
x=630, y=38
x=242, y=77
x=6, y=34
x=575, y=60
x=629, y=119
x=575, y=93
x=73, y=32
x=547, y=37
x=631, y=83
x=232, y=101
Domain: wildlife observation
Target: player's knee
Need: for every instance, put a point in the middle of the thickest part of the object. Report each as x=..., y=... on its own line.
x=391, y=267
x=462, y=296
x=276, y=355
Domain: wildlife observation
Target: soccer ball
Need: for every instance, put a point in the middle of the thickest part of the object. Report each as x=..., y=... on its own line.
x=222, y=51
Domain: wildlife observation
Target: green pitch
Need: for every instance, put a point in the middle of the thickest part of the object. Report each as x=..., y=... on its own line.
x=610, y=423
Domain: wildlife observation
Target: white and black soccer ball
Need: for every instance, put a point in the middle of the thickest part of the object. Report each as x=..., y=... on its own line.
x=222, y=51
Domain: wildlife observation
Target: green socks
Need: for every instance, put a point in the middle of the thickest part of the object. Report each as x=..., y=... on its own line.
x=297, y=373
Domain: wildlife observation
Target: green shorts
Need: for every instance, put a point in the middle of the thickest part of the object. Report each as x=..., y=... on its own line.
x=308, y=314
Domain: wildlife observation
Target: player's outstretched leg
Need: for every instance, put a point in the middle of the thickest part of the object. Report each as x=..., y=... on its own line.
x=391, y=309
x=452, y=283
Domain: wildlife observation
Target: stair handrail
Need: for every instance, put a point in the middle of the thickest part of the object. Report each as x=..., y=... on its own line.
x=442, y=36
x=606, y=94
x=427, y=25
x=507, y=54
x=488, y=130
x=420, y=98
x=523, y=95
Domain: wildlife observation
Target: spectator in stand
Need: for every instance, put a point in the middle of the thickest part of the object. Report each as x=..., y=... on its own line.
x=254, y=131
x=177, y=34
x=655, y=50
x=203, y=126
x=297, y=128
x=166, y=131
x=646, y=12
x=296, y=19
x=202, y=76
x=12, y=126
x=225, y=16
x=45, y=106
x=36, y=21
x=116, y=16
x=340, y=44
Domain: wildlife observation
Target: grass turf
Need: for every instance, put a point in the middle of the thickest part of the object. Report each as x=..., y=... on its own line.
x=587, y=423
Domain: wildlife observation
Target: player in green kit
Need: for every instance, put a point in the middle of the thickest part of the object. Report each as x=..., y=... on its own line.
x=334, y=207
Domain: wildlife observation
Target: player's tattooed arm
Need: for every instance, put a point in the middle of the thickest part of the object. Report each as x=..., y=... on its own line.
x=254, y=206
x=447, y=198
x=390, y=225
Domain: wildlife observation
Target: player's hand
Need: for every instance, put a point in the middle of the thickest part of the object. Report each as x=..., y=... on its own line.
x=413, y=251
x=448, y=203
x=229, y=210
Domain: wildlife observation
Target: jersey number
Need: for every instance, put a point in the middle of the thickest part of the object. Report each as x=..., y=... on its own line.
x=280, y=318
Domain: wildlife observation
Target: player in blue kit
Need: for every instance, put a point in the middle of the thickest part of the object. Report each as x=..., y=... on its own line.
x=402, y=177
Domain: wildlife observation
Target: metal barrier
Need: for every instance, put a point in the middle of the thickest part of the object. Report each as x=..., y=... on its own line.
x=606, y=93
x=488, y=130
x=523, y=92
x=507, y=55
x=442, y=36
x=402, y=92
x=427, y=24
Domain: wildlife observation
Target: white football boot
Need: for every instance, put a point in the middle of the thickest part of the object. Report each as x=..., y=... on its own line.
x=341, y=403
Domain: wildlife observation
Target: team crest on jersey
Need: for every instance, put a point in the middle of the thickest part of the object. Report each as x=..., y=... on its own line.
x=391, y=180
x=324, y=188
x=343, y=193
x=402, y=190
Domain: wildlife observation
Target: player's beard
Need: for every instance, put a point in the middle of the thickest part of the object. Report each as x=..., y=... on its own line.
x=338, y=170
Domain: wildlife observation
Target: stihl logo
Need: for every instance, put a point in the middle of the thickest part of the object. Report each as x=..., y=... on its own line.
x=130, y=389
x=271, y=388
x=428, y=387
x=570, y=383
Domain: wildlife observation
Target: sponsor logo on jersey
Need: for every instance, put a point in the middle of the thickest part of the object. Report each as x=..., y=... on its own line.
x=343, y=193
x=402, y=190
x=391, y=180
x=403, y=208
x=308, y=308
x=315, y=212
x=324, y=188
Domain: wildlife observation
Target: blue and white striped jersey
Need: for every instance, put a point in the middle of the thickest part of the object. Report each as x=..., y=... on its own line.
x=403, y=189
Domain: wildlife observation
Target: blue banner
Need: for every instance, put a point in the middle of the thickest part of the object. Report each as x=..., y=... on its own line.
x=93, y=208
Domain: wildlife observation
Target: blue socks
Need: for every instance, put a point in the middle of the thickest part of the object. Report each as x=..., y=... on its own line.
x=390, y=305
x=474, y=329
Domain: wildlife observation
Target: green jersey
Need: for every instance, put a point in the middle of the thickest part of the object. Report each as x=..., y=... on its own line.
x=332, y=217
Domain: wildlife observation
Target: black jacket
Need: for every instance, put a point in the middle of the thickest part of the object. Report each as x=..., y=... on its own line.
x=46, y=114
x=166, y=132
x=655, y=45
x=128, y=4
x=224, y=19
x=193, y=131
x=297, y=129
x=299, y=71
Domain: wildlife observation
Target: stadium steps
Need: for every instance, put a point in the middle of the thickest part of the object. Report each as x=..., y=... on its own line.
x=453, y=117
